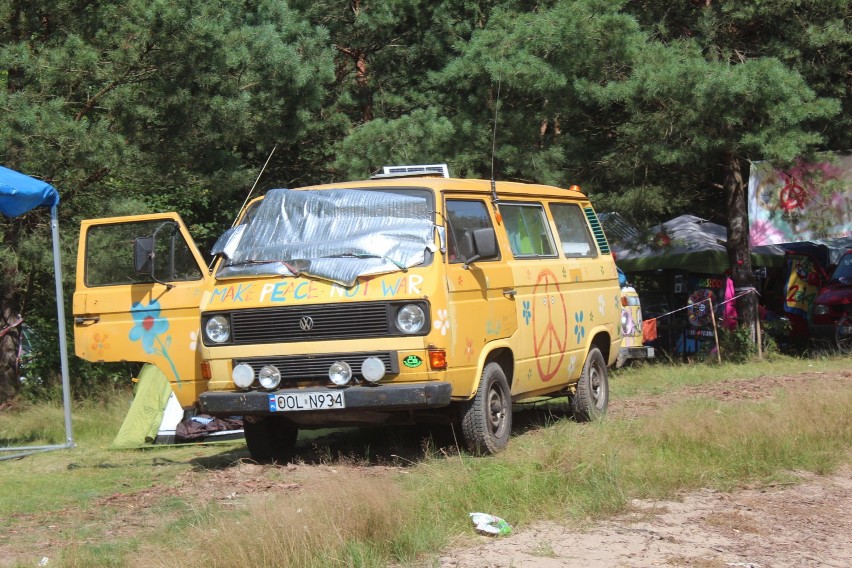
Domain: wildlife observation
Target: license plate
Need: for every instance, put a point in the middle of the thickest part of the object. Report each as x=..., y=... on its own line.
x=292, y=402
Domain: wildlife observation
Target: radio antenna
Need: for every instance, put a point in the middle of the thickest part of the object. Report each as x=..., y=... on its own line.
x=495, y=201
x=263, y=169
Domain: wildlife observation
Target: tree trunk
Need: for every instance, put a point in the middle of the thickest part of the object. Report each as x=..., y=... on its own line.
x=10, y=335
x=738, y=245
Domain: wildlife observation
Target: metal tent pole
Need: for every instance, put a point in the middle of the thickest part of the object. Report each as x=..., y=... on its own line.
x=60, y=314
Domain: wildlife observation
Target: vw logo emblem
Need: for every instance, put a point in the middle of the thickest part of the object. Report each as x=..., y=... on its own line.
x=306, y=323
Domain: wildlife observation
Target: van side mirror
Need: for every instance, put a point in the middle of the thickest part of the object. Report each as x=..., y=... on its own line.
x=143, y=253
x=478, y=244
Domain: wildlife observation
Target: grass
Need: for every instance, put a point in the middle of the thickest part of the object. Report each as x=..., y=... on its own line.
x=565, y=471
x=654, y=378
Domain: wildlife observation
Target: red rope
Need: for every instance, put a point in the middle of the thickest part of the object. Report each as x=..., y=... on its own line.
x=6, y=329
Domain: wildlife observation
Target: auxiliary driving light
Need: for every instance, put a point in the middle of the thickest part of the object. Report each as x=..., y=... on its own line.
x=340, y=373
x=243, y=375
x=269, y=377
x=373, y=369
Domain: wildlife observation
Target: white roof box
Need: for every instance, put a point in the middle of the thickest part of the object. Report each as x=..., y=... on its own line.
x=413, y=171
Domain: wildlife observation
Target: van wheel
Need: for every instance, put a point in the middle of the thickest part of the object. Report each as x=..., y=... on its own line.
x=592, y=396
x=487, y=418
x=270, y=440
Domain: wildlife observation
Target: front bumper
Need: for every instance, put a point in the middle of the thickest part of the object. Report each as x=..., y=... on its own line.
x=823, y=330
x=626, y=353
x=382, y=398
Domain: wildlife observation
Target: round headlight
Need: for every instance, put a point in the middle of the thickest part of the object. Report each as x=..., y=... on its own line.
x=820, y=309
x=373, y=369
x=410, y=319
x=340, y=373
x=243, y=375
x=218, y=329
x=269, y=377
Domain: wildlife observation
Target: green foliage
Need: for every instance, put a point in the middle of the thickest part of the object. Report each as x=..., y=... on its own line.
x=416, y=138
x=144, y=106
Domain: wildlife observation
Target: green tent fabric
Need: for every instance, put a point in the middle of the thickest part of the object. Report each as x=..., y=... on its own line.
x=690, y=244
x=143, y=420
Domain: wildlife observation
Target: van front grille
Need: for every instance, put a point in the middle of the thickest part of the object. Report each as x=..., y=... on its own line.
x=310, y=323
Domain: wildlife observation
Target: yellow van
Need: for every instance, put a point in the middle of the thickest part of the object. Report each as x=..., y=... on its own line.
x=398, y=299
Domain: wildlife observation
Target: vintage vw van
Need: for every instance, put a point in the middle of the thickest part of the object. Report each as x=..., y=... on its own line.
x=397, y=299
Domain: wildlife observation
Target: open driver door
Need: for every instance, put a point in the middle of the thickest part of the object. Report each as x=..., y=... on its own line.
x=140, y=281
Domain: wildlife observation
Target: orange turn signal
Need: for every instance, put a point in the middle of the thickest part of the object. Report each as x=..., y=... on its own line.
x=206, y=373
x=624, y=300
x=438, y=359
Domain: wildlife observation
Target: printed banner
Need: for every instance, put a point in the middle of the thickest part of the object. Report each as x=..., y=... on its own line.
x=798, y=293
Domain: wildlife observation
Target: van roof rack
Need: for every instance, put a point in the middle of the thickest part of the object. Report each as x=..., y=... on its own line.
x=428, y=170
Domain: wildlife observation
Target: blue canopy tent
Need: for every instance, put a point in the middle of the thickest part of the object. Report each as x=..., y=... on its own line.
x=19, y=194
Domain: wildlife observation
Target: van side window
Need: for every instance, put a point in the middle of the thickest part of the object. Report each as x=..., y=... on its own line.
x=109, y=255
x=528, y=230
x=573, y=231
x=464, y=215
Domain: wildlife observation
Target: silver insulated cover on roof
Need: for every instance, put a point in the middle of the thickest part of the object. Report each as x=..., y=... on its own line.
x=336, y=235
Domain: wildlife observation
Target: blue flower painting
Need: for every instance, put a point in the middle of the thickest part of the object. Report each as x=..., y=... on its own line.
x=148, y=328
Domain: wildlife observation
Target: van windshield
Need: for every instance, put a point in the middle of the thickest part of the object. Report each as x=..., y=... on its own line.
x=335, y=234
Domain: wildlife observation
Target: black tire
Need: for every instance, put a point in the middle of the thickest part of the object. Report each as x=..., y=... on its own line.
x=843, y=335
x=486, y=420
x=270, y=439
x=592, y=396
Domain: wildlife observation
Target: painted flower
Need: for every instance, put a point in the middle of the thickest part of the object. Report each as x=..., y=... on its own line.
x=193, y=340
x=99, y=344
x=601, y=306
x=442, y=322
x=579, y=328
x=149, y=324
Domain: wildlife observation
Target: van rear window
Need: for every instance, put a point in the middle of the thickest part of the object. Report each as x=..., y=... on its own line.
x=576, y=240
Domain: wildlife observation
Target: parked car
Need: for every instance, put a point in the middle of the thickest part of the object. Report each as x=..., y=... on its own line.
x=832, y=311
x=632, y=337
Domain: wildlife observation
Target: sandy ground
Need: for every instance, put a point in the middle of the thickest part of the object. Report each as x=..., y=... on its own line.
x=802, y=525
x=797, y=525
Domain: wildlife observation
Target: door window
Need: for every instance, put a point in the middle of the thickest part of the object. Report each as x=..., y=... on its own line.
x=462, y=216
x=110, y=255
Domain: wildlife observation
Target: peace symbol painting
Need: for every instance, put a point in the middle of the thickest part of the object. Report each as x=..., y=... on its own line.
x=808, y=201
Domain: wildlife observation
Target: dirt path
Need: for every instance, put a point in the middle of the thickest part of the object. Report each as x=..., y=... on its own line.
x=802, y=525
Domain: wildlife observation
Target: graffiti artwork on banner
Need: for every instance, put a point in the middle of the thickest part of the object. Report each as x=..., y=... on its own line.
x=808, y=201
x=550, y=325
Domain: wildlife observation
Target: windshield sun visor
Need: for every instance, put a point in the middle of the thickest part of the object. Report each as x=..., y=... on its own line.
x=336, y=235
